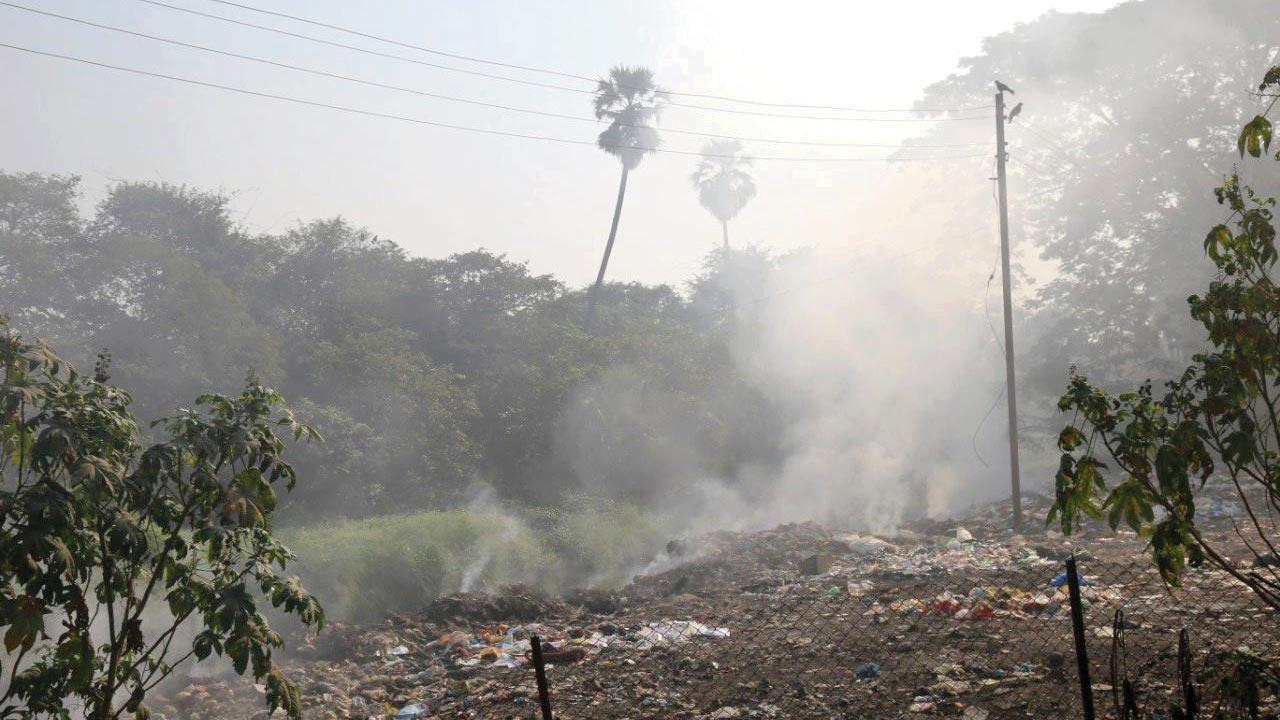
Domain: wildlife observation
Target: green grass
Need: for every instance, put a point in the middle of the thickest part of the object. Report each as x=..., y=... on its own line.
x=603, y=545
x=367, y=568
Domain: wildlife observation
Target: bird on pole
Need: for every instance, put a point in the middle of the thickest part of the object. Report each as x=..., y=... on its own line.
x=1004, y=88
x=1014, y=112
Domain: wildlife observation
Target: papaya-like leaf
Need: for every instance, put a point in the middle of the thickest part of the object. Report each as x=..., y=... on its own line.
x=1255, y=137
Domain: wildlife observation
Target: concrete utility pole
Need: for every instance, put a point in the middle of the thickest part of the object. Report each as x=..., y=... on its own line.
x=1010, y=390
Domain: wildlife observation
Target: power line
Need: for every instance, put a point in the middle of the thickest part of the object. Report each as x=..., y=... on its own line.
x=1033, y=164
x=986, y=308
x=574, y=76
x=393, y=56
x=423, y=93
x=451, y=126
x=1048, y=137
x=854, y=269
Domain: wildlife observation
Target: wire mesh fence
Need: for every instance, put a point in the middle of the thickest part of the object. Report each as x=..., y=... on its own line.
x=803, y=621
x=973, y=641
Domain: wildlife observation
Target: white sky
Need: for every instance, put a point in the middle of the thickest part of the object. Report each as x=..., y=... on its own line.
x=437, y=191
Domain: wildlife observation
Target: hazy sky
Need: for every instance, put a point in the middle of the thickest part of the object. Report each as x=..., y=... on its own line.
x=437, y=191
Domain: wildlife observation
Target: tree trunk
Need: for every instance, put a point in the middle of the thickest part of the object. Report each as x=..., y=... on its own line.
x=594, y=295
x=724, y=228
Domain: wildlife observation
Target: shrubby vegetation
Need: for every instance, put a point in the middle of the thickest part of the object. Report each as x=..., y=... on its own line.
x=1220, y=416
x=365, y=568
x=1130, y=114
x=114, y=549
x=427, y=377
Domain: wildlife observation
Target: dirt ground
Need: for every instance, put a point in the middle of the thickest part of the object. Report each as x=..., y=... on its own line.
x=957, y=619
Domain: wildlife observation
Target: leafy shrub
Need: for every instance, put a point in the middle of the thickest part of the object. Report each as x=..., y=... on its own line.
x=98, y=530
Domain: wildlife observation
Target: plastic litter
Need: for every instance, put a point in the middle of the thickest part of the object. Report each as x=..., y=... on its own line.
x=1060, y=580
x=415, y=710
x=921, y=703
x=676, y=631
x=865, y=544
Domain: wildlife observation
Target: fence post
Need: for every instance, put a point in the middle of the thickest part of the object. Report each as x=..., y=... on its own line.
x=1186, y=677
x=540, y=672
x=1077, y=626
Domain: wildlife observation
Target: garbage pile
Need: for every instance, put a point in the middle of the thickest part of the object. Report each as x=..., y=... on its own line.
x=411, y=668
x=940, y=619
x=986, y=603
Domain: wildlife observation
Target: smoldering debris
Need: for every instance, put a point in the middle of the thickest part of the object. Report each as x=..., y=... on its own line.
x=949, y=617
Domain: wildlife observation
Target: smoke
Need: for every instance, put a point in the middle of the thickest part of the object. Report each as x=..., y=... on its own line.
x=509, y=529
x=879, y=371
x=883, y=368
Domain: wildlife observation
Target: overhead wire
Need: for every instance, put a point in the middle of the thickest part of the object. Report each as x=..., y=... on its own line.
x=574, y=76
x=1033, y=164
x=465, y=128
x=450, y=98
x=1048, y=138
x=986, y=309
x=810, y=284
x=416, y=61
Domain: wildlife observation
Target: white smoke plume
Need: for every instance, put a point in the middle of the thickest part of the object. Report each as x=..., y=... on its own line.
x=885, y=367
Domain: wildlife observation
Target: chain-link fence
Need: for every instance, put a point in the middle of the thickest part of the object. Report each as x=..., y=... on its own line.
x=993, y=642
x=803, y=622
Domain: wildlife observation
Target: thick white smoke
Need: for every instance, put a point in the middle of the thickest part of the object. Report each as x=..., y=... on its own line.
x=884, y=367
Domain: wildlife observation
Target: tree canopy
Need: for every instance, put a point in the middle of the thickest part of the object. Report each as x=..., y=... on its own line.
x=1127, y=114
x=723, y=181
x=429, y=376
x=631, y=102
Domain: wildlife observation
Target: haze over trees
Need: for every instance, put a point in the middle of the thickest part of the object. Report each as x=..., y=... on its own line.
x=1128, y=114
x=1221, y=415
x=433, y=376
x=479, y=415
x=723, y=181
x=426, y=376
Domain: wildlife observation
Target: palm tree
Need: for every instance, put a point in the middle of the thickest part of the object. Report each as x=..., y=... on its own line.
x=724, y=181
x=631, y=103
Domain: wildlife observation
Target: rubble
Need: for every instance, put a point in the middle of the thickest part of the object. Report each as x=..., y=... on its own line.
x=937, y=620
x=816, y=564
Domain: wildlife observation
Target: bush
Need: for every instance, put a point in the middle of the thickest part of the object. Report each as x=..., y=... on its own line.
x=400, y=562
x=91, y=518
x=604, y=544
x=367, y=568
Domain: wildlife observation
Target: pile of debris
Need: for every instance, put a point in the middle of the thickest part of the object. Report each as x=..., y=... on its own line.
x=941, y=619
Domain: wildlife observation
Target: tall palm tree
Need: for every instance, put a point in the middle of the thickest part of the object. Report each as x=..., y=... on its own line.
x=724, y=181
x=631, y=103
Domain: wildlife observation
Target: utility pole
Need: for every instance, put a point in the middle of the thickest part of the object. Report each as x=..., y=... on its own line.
x=1010, y=390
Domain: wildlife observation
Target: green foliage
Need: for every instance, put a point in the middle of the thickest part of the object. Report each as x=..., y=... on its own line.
x=1222, y=415
x=1130, y=106
x=602, y=542
x=400, y=562
x=426, y=375
x=98, y=524
x=1255, y=138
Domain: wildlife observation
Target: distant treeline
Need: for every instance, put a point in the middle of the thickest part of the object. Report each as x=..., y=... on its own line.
x=427, y=377
x=431, y=376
